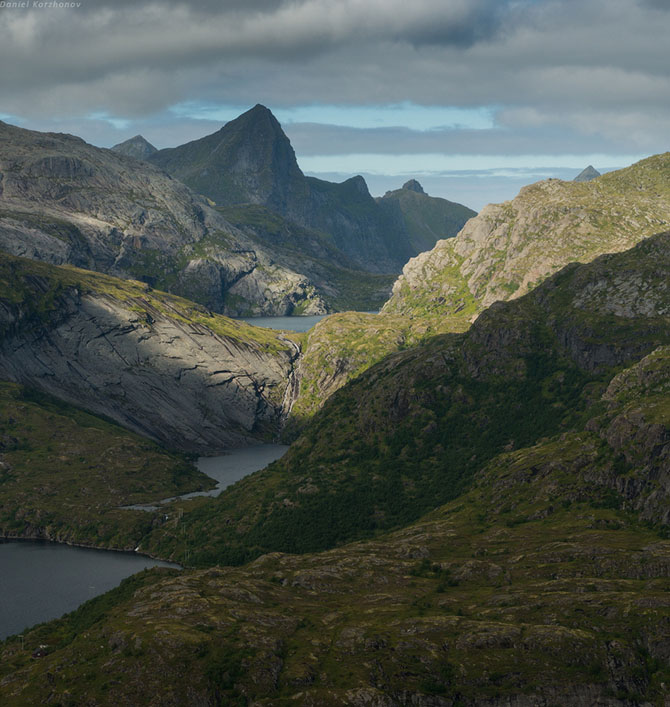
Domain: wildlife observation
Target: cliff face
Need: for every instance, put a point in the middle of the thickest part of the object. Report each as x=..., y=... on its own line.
x=63, y=201
x=411, y=431
x=509, y=248
x=249, y=160
x=522, y=473
x=156, y=365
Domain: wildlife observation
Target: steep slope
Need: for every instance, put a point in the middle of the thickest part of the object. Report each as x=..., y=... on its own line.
x=445, y=289
x=63, y=201
x=250, y=161
x=341, y=285
x=410, y=432
x=136, y=147
x=541, y=585
x=509, y=248
x=155, y=363
x=64, y=473
x=427, y=218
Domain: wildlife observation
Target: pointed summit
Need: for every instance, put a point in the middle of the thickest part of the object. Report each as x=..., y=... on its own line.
x=586, y=175
x=248, y=161
x=413, y=185
x=136, y=147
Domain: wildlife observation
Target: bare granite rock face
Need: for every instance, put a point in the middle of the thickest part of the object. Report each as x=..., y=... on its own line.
x=157, y=373
x=64, y=201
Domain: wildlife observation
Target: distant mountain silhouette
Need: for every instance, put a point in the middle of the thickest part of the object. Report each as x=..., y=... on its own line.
x=587, y=174
x=250, y=161
x=136, y=147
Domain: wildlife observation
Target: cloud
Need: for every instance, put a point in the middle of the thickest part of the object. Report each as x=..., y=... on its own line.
x=557, y=76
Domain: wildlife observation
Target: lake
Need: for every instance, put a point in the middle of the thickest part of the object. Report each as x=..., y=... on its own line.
x=226, y=469
x=40, y=581
x=292, y=323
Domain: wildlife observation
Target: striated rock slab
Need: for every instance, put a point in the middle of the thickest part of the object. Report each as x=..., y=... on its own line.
x=146, y=363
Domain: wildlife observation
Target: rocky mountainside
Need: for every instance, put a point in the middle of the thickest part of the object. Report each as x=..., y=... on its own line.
x=410, y=432
x=136, y=147
x=250, y=161
x=64, y=201
x=427, y=218
x=159, y=365
x=511, y=247
x=65, y=473
x=522, y=241
x=587, y=174
x=543, y=582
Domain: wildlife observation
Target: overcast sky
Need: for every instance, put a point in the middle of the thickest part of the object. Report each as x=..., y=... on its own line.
x=473, y=97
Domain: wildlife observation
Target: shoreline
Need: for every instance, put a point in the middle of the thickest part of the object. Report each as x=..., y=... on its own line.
x=40, y=538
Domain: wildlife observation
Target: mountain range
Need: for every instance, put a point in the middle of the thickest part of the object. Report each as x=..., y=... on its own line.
x=251, y=161
x=64, y=201
x=475, y=507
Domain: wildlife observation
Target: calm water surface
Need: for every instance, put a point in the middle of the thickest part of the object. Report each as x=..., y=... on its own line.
x=40, y=581
x=226, y=469
x=292, y=323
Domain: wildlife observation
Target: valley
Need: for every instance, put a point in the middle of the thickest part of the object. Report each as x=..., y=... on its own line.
x=474, y=507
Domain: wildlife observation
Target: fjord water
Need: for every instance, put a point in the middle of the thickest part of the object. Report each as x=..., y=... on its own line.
x=40, y=581
x=226, y=469
x=292, y=323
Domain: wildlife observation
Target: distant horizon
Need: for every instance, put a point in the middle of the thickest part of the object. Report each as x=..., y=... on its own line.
x=474, y=188
x=478, y=93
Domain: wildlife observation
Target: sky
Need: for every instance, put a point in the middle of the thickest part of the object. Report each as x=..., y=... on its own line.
x=474, y=98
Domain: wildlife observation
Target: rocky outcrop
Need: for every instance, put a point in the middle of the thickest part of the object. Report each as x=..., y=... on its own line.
x=187, y=378
x=136, y=147
x=509, y=248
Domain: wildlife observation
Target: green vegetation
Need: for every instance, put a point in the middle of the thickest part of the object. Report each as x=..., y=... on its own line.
x=490, y=510
x=527, y=587
x=64, y=473
x=509, y=248
x=412, y=431
x=36, y=287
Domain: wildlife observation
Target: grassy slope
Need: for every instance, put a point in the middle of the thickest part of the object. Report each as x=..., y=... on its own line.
x=540, y=583
x=548, y=225
x=34, y=287
x=64, y=473
x=411, y=432
x=549, y=222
